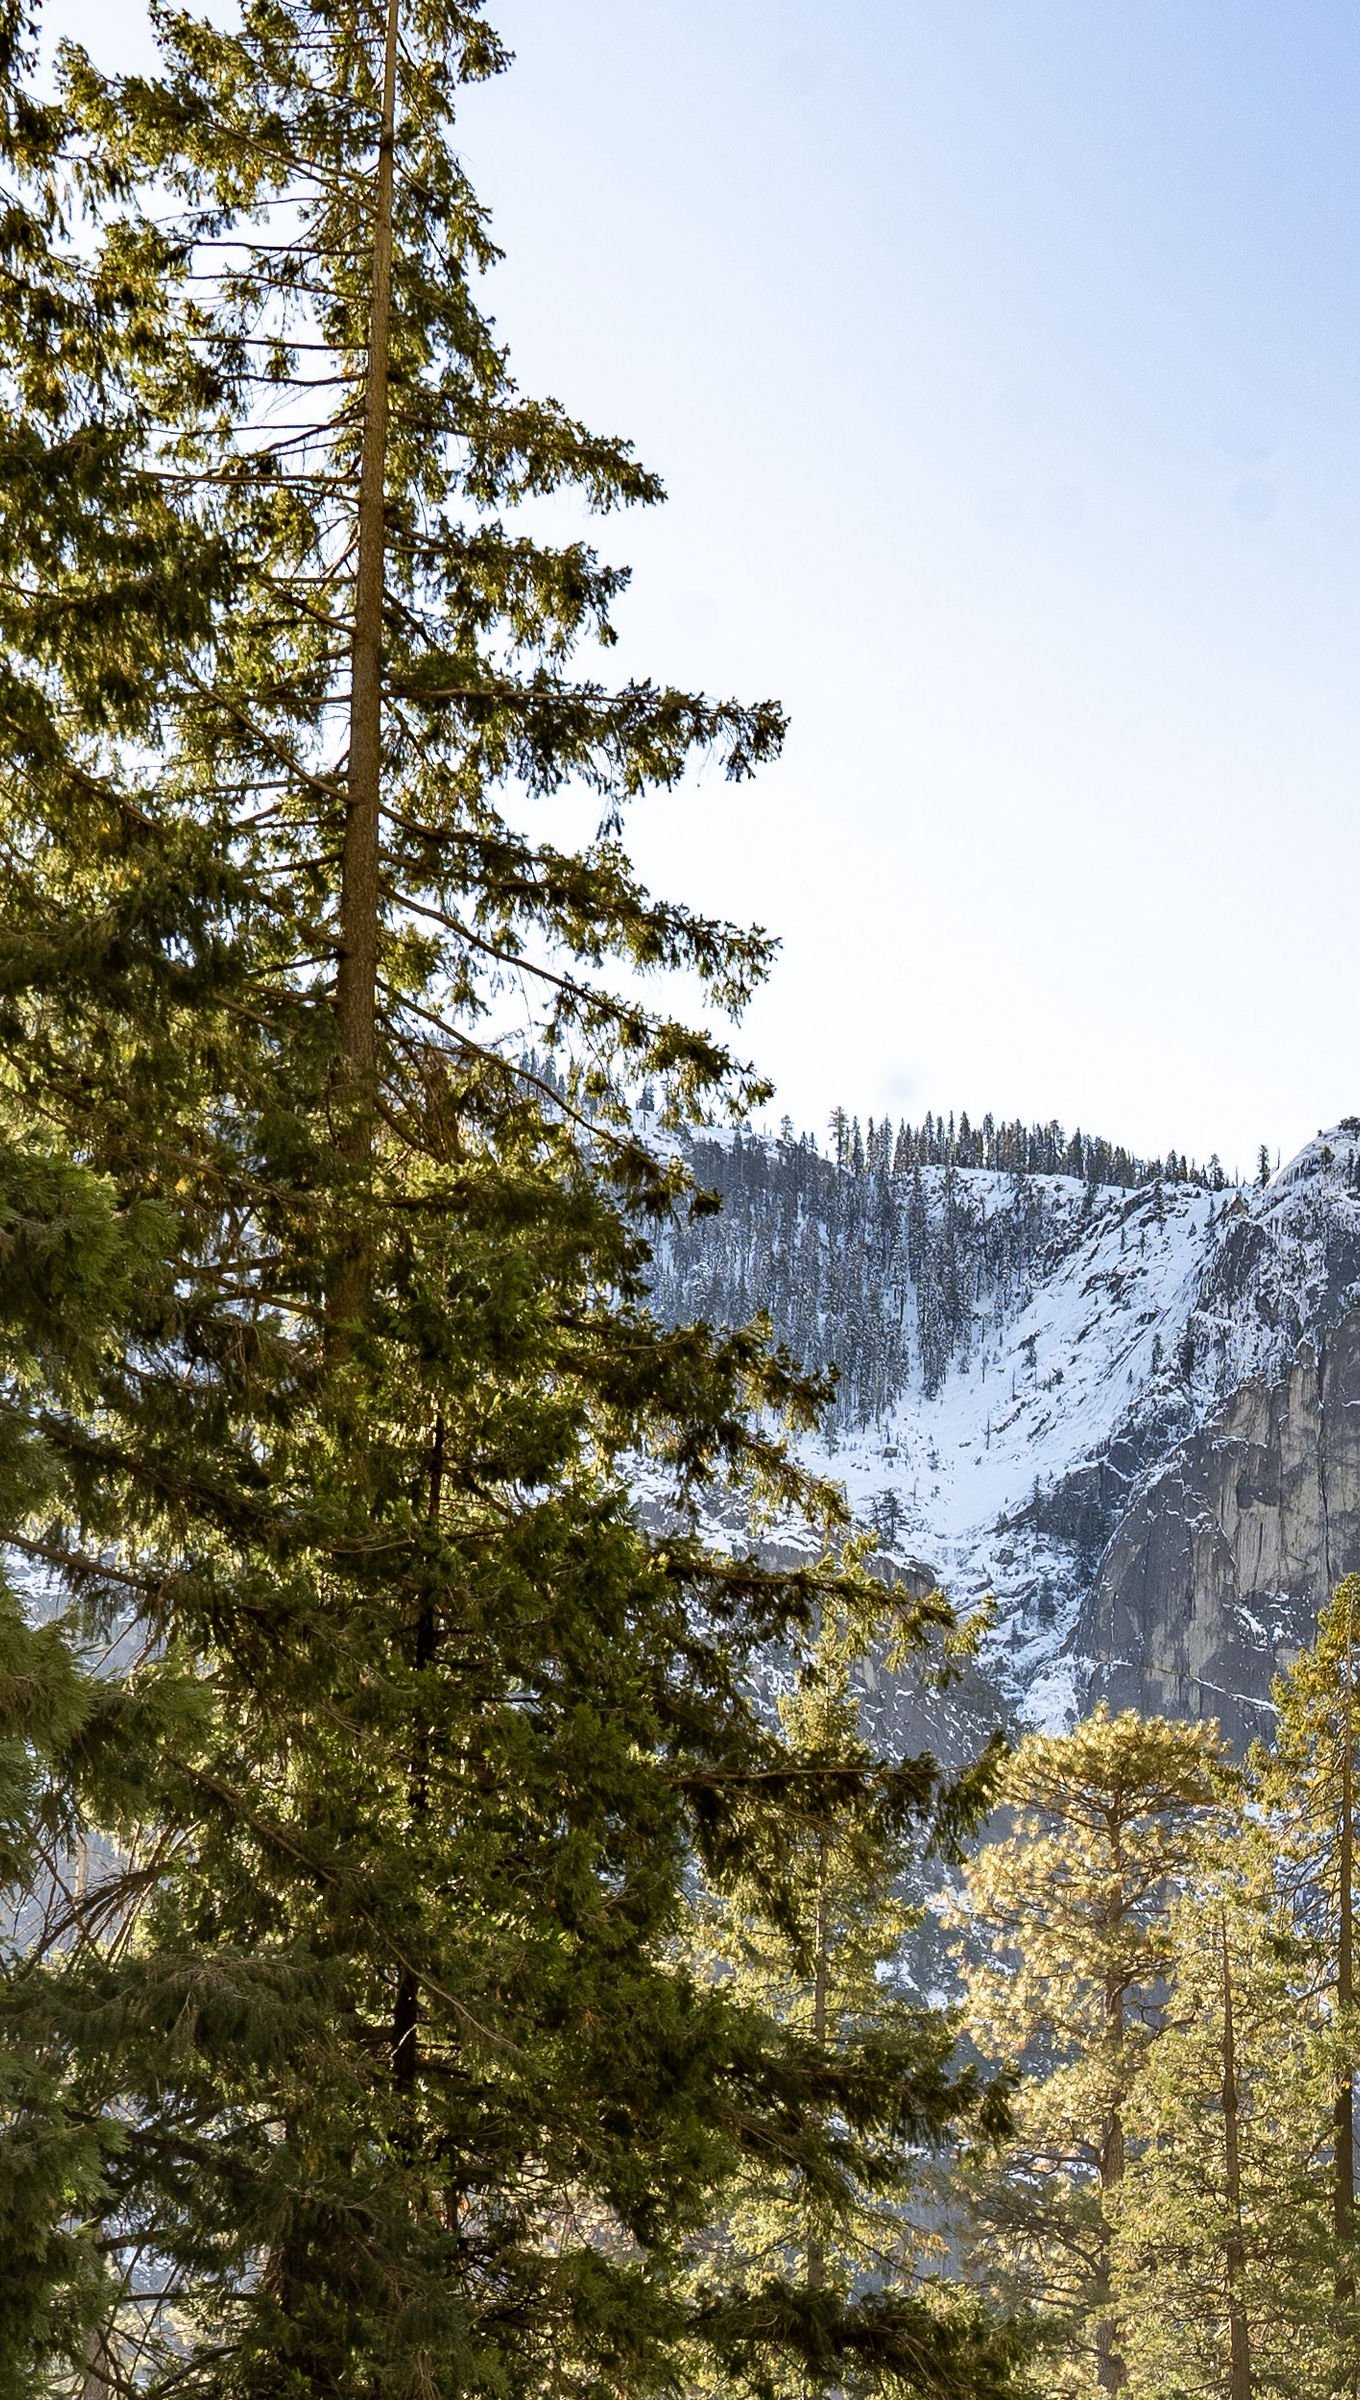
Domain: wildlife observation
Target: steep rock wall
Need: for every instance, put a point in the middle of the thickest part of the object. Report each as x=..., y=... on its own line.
x=1216, y=1573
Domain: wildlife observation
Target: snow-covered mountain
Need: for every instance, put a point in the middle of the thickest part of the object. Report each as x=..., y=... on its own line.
x=1131, y=1413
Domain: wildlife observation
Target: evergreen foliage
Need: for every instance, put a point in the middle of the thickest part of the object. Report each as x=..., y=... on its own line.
x=887, y=1281
x=373, y=1739
x=815, y=1939
x=1308, y=1784
x=1222, y=2253
x=1165, y=1947
x=1068, y=1945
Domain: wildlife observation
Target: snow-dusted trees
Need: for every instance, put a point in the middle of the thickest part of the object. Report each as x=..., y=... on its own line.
x=884, y=1276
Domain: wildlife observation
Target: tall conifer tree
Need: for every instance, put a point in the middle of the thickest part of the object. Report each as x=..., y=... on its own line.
x=1308, y=1782
x=363, y=2029
x=816, y=1939
x=1222, y=2227
x=1067, y=1941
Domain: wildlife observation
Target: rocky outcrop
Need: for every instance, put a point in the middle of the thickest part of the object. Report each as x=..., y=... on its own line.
x=1214, y=1576
x=1143, y=1446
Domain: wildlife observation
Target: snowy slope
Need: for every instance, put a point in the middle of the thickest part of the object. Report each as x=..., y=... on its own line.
x=1069, y=1380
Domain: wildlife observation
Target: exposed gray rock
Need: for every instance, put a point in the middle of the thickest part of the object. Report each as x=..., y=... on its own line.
x=1214, y=1577
x=1143, y=1441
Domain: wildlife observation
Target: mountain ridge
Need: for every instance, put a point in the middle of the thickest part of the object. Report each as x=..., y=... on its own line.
x=1090, y=1402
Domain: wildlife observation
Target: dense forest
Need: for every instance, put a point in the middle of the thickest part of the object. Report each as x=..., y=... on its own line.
x=1009, y=1148
x=434, y=1966
x=885, y=1259
x=1164, y=1939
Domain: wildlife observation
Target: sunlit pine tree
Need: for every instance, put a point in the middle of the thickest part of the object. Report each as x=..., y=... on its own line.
x=1064, y=1946
x=1222, y=2253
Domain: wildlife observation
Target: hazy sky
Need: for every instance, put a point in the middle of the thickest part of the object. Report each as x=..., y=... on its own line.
x=1002, y=358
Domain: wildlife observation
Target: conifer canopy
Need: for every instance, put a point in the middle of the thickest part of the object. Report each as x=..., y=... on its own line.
x=370, y=1736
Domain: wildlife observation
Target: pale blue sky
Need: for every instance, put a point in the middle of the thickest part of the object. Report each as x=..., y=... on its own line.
x=1003, y=361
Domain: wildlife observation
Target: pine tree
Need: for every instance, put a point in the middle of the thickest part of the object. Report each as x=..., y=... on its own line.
x=1222, y=2230
x=358, y=2053
x=816, y=1940
x=103, y=581
x=1066, y=1945
x=67, y=1258
x=1308, y=1783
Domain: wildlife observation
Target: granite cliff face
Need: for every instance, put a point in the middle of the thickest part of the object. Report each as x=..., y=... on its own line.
x=1145, y=1442
x=1214, y=1574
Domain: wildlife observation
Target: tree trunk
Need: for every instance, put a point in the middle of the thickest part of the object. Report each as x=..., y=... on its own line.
x=406, y=2008
x=94, y=2382
x=356, y=992
x=1239, y=2339
x=816, y=2255
x=1111, y=2373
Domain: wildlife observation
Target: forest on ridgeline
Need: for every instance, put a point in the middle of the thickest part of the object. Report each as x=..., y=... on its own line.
x=880, y=1257
x=432, y=1968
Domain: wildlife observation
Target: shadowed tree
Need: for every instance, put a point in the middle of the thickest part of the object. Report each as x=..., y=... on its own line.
x=817, y=1939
